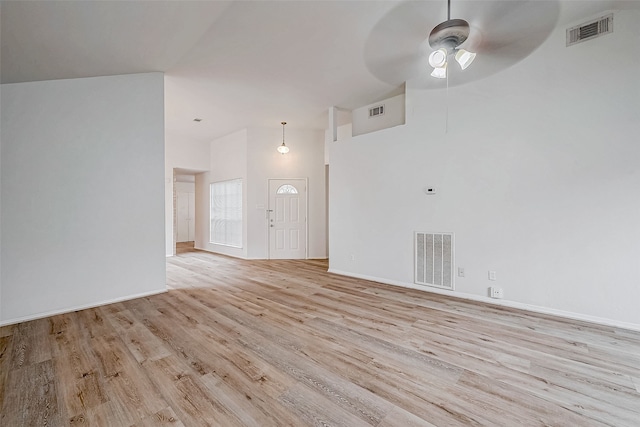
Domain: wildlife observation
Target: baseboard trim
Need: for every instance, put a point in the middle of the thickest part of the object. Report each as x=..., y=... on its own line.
x=248, y=259
x=78, y=308
x=503, y=303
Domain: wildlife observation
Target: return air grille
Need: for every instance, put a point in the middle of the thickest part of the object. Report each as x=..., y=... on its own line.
x=376, y=111
x=434, y=259
x=590, y=30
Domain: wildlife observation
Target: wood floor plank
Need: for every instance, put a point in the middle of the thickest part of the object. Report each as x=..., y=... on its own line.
x=285, y=357
x=284, y=343
x=511, y=354
x=131, y=394
x=400, y=417
x=77, y=378
x=316, y=410
x=31, y=398
x=186, y=394
x=263, y=411
x=5, y=352
x=553, y=385
x=534, y=409
x=165, y=417
x=30, y=344
x=6, y=331
x=138, y=339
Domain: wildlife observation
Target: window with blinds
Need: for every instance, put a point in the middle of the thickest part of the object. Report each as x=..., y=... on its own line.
x=226, y=213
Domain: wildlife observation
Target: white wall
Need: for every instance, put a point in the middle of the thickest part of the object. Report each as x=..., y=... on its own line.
x=185, y=154
x=76, y=232
x=394, y=115
x=1, y=204
x=343, y=132
x=537, y=176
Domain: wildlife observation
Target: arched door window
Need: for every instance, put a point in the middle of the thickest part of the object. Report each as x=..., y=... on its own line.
x=287, y=189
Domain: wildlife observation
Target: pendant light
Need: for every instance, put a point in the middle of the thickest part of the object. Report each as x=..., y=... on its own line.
x=283, y=149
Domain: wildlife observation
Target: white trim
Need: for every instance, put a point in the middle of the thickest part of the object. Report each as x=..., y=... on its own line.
x=249, y=259
x=211, y=251
x=78, y=308
x=504, y=303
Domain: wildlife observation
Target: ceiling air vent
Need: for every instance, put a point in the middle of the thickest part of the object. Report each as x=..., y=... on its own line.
x=376, y=111
x=590, y=30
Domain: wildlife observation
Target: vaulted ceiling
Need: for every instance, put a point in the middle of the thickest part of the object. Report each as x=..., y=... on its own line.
x=238, y=64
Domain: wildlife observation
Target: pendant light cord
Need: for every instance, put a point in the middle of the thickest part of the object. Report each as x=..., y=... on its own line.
x=446, y=106
x=283, y=123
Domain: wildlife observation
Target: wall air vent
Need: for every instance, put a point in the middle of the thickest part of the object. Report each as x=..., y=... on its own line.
x=590, y=30
x=434, y=259
x=376, y=111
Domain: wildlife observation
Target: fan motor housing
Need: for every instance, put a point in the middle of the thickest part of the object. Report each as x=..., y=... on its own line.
x=449, y=34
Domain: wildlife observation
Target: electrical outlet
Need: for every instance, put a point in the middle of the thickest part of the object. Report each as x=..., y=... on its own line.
x=460, y=272
x=495, y=292
x=492, y=275
x=352, y=257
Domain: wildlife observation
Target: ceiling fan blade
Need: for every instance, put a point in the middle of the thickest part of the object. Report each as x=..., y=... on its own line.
x=502, y=34
x=402, y=34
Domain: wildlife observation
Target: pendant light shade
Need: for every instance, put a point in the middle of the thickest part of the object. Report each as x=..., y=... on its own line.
x=283, y=149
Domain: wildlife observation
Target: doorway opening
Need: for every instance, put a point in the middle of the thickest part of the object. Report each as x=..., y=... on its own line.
x=184, y=210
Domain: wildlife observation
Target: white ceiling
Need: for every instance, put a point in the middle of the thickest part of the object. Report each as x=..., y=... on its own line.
x=239, y=64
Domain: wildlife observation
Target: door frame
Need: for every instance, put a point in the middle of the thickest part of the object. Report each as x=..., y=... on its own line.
x=270, y=210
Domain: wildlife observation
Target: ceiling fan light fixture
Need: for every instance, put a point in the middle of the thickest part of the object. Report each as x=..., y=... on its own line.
x=446, y=37
x=440, y=72
x=464, y=58
x=438, y=58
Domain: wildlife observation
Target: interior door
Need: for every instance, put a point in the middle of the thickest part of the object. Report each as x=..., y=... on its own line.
x=287, y=218
x=185, y=210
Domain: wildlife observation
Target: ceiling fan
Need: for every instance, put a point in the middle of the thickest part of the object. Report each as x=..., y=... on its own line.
x=446, y=38
x=501, y=33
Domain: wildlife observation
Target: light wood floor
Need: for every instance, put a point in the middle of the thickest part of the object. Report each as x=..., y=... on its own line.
x=182, y=247
x=275, y=343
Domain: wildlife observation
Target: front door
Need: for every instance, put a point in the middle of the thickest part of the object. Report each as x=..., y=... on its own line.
x=287, y=218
